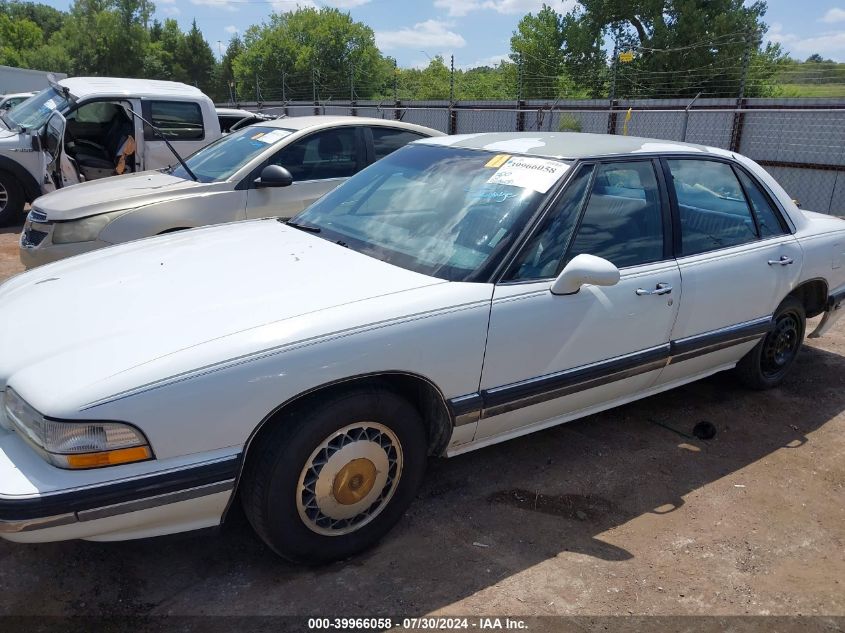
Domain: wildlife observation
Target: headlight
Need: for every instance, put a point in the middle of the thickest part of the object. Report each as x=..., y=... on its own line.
x=83, y=444
x=84, y=230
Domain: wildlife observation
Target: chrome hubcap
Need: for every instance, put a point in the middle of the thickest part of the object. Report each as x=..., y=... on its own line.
x=349, y=478
x=4, y=197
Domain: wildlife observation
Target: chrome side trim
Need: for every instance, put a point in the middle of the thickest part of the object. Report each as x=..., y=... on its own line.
x=27, y=525
x=154, y=502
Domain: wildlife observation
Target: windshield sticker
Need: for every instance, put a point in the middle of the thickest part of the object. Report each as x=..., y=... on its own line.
x=494, y=195
x=538, y=174
x=272, y=137
x=498, y=160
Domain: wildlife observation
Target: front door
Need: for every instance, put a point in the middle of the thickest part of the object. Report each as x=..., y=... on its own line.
x=60, y=170
x=551, y=356
x=318, y=163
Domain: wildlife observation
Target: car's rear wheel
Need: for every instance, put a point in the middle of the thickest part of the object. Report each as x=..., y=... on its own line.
x=329, y=479
x=11, y=199
x=768, y=363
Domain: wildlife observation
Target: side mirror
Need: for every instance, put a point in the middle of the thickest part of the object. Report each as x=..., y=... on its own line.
x=274, y=176
x=585, y=269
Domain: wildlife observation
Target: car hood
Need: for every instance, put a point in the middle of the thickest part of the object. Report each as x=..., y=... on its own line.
x=90, y=326
x=115, y=194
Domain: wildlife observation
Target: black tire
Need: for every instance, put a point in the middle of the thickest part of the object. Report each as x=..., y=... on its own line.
x=768, y=363
x=275, y=491
x=11, y=199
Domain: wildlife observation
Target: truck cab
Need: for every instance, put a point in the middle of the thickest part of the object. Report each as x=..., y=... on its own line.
x=82, y=129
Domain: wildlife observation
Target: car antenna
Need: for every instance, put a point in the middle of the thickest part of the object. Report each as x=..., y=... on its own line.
x=161, y=135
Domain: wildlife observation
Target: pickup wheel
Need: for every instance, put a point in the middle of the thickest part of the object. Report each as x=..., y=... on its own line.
x=768, y=363
x=11, y=199
x=330, y=479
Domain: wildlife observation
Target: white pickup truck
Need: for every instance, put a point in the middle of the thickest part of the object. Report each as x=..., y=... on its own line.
x=82, y=128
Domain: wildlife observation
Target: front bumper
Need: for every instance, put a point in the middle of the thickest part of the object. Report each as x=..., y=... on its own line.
x=37, y=247
x=188, y=496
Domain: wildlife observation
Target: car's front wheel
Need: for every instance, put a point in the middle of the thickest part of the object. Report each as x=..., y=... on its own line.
x=768, y=363
x=11, y=199
x=331, y=477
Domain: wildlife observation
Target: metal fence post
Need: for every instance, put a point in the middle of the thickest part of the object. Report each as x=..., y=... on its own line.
x=611, y=115
x=453, y=115
x=739, y=115
x=520, y=102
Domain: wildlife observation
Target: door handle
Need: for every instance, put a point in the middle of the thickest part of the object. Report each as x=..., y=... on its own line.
x=784, y=260
x=660, y=289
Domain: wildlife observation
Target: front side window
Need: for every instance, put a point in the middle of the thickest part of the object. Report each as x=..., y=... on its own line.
x=447, y=212
x=542, y=256
x=713, y=211
x=322, y=155
x=177, y=120
x=387, y=140
x=226, y=156
x=623, y=221
x=34, y=112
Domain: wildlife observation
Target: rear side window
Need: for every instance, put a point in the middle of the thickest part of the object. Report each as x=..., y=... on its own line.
x=322, y=155
x=387, y=140
x=767, y=217
x=712, y=207
x=178, y=120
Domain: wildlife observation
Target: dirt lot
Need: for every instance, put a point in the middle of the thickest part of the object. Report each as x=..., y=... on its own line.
x=613, y=514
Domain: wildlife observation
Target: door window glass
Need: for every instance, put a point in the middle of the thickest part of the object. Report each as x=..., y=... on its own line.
x=767, y=218
x=178, y=120
x=712, y=207
x=387, y=140
x=623, y=222
x=543, y=255
x=322, y=155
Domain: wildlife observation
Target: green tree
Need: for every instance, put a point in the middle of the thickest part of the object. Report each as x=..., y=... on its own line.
x=317, y=51
x=226, y=87
x=537, y=46
x=680, y=47
x=194, y=55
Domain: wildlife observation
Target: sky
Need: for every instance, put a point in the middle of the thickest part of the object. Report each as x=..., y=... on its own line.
x=478, y=32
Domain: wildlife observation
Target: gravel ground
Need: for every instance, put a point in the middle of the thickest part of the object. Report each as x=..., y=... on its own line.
x=612, y=514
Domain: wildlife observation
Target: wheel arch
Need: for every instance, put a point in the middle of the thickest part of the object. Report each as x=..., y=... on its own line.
x=813, y=293
x=420, y=391
x=31, y=189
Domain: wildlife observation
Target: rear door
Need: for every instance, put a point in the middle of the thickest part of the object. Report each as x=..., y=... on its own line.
x=318, y=162
x=737, y=261
x=183, y=125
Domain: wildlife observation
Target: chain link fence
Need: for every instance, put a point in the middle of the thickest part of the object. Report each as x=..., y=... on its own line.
x=801, y=142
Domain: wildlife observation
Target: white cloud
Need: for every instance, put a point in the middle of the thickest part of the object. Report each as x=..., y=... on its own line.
x=431, y=34
x=492, y=61
x=458, y=8
x=215, y=4
x=232, y=29
x=831, y=44
x=834, y=15
x=171, y=11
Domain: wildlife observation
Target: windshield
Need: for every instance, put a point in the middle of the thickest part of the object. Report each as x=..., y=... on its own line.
x=440, y=211
x=34, y=112
x=226, y=156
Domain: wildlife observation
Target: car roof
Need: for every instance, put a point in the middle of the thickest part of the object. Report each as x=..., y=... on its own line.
x=323, y=120
x=572, y=145
x=16, y=94
x=82, y=87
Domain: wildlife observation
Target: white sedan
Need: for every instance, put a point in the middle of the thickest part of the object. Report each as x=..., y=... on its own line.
x=463, y=291
x=272, y=168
